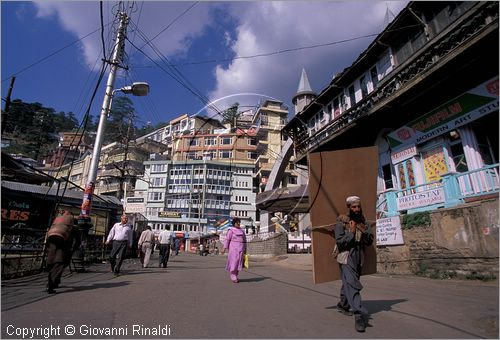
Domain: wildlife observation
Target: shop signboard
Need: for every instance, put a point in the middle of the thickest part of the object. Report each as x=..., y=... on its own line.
x=420, y=199
x=460, y=111
x=389, y=231
x=135, y=205
x=171, y=214
x=402, y=155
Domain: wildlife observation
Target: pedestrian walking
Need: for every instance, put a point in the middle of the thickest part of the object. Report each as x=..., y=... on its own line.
x=165, y=240
x=177, y=245
x=63, y=238
x=121, y=236
x=352, y=235
x=145, y=246
x=236, y=243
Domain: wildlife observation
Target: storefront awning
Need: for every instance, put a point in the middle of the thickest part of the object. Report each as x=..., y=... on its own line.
x=289, y=199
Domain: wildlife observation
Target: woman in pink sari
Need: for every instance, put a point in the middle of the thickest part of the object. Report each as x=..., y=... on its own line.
x=236, y=243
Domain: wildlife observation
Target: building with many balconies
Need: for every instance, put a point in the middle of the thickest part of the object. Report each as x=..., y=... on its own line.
x=425, y=91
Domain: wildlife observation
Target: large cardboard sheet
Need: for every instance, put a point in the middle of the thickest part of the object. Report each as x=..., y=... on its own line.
x=333, y=176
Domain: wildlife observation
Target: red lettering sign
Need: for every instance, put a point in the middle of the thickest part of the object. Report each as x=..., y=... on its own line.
x=404, y=134
x=455, y=108
x=492, y=87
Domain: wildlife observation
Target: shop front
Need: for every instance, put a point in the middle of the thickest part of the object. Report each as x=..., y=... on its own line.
x=446, y=157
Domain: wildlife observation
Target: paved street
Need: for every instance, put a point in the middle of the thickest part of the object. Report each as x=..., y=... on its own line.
x=194, y=298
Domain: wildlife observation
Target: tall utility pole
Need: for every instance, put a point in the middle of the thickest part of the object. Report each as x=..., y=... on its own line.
x=84, y=220
x=7, y=103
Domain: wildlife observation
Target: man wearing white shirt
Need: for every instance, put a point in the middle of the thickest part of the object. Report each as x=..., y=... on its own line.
x=121, y=235
x=165, y=239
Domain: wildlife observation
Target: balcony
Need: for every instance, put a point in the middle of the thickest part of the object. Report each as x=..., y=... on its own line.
x=448, y=44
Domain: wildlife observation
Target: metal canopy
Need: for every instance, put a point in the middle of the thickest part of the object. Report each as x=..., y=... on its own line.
x=288, y=200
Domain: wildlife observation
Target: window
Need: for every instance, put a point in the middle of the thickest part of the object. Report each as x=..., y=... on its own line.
x=336, y=107
x=210, y=141
x=251, y=141
x=251, y=155
x=225, y=154
x=226, y=140
x=343, y=104
x=374, y=76
x=210, y=155
x=158, y=168
x=386, y=171
x=352, y=96
x=193, y=142
x=384, y=65
x=457, y=152
x=363, y=84
x=155, y=196
x=406, y=175
x=158, y=182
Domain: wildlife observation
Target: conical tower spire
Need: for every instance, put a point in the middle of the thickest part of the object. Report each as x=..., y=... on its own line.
x=304, y=85
x=304, y=93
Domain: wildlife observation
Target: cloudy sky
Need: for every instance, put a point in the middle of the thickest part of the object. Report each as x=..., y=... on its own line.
x=198, y=52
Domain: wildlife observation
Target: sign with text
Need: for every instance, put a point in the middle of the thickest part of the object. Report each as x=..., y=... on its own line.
x=389, y=231
x=172, y=214
x=402, y=155
x=135, y=205
x=420, y=199
x=462, y=110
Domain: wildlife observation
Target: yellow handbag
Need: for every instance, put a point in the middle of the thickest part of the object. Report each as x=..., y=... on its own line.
x=245, y=261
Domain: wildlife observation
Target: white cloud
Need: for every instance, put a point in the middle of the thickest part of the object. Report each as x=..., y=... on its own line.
x=261, y=27
x=273, y=26
x=152, y=17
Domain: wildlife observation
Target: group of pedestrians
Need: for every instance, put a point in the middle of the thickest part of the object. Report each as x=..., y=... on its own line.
x=351, y=231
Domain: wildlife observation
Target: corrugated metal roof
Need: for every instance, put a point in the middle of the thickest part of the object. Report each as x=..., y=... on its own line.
x=55, y=191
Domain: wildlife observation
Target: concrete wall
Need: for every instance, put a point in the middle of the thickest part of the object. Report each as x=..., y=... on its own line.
x=269, y=244
x=460, y=242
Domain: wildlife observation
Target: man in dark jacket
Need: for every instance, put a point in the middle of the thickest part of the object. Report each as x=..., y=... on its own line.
x=352, y=234
x=63, y=238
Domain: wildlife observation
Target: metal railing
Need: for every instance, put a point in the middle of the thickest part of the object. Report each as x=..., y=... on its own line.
x=456, y=186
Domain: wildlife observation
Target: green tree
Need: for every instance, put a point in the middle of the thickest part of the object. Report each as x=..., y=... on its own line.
x=231, y=114
x=118, y=127
x=34, y=128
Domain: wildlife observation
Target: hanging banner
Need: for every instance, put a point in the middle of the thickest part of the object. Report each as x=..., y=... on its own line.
x=462, y=110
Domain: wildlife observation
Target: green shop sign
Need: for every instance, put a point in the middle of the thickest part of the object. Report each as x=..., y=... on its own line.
x=462, y=110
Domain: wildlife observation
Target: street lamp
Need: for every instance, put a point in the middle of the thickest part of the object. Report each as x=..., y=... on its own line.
x=136, y=89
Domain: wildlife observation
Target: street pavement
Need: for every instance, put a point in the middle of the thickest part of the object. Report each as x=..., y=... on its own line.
x=194, y=298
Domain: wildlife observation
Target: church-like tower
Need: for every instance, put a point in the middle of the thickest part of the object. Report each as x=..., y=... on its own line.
x=304, y=94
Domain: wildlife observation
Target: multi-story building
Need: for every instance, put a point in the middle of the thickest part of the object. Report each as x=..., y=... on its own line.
x=119, y=166
x=222, y=145
x=268, y=121
x=425, y=91
x=72, y=145
x=183, y=125
x=191, y=196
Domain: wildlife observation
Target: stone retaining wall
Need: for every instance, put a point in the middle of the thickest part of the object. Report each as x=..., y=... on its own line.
x=271, y=245
x=460, y=242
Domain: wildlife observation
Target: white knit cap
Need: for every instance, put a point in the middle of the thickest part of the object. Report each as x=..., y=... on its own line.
x=353, y=199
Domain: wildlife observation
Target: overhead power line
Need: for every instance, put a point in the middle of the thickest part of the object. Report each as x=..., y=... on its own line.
x=51, y=54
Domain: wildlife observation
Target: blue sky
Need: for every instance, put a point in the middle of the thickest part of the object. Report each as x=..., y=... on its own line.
x=201, y=39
